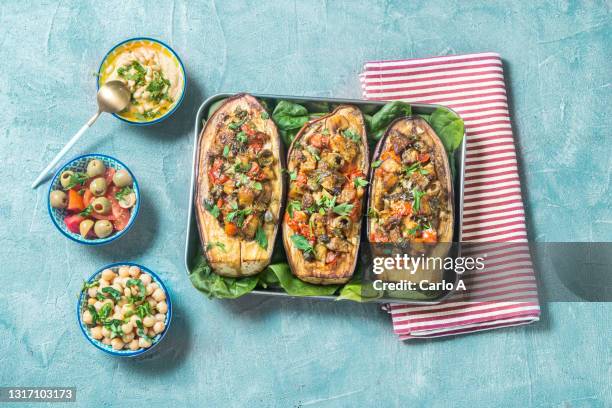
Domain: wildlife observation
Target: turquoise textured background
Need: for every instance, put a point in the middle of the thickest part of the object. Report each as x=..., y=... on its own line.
x=265, y=352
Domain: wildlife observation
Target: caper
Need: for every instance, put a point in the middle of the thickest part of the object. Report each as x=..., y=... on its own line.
x=122, y=178
x=95, y=168
x=103, y=228
x=101, y=205
x=98, y=186
x=309, y=256
x=58, y=199
x=85, y=226
x=65, y=178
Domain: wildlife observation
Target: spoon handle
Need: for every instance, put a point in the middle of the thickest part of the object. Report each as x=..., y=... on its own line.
x=45, y=173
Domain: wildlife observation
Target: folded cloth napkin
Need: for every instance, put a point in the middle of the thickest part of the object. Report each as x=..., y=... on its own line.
x=505, y=293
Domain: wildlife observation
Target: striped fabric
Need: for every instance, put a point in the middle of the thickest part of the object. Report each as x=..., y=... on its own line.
x=504, y=293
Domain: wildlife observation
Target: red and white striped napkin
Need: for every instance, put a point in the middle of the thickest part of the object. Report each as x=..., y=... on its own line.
x=505, y=293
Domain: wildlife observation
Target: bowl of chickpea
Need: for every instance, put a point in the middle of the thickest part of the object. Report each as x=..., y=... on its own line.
x=124, y=309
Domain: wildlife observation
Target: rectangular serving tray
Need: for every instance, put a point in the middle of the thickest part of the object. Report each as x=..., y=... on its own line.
x=192, y=241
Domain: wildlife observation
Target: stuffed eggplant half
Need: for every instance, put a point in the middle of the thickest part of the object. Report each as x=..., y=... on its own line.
x=411, y=199
x=240, y=187
x=327, y=166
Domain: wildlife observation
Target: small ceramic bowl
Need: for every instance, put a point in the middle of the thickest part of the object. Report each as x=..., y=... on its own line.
x=79, y=164
x=82, y=303
x=171, y=61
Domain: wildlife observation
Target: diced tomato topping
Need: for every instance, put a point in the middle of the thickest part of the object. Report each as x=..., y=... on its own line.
x=316, y=140
x=220, y=203
x=215, y=174
x=404, y=209
x=378, y=237
x=423, y=157
x=331, y=258
x=300, y=216
x=72, y=222
x=301, y=179
x=430, y=236
x=246, y=129
x=356, y=211
x=230, y=229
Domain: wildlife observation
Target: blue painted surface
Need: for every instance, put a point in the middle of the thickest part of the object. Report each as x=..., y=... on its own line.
x=280, y=352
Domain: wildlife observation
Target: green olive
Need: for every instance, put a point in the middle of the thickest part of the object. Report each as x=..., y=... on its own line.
x=103, y=228
x=122, y=178
x=65, y=178
x=95, y=168
x=98, y=186
x=101, y=205
x=85, y=226
x=58, y=199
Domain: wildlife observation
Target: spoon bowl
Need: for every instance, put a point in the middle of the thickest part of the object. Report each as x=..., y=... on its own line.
x=113, y=97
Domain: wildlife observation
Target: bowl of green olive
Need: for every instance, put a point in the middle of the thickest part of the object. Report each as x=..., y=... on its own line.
x=93, y=199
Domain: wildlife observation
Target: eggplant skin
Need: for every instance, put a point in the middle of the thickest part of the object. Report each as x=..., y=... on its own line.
x=233, y=256
x=317, y=272
x=403, y=137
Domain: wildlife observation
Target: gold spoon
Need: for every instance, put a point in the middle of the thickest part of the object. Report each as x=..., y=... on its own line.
x=112, y=97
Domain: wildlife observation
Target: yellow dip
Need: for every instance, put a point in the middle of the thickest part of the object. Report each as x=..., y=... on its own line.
x=153, y=75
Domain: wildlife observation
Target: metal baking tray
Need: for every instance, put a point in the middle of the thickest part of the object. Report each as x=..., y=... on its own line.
x=192, y=242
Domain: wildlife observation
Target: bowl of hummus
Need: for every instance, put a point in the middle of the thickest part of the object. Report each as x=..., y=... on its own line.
x=153, y=73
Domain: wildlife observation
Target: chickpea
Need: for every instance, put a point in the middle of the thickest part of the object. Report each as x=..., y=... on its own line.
x=127, y=328
x=134, y=345
x=124, y=271
x=122, y=302
x=118, y=316
x=127, y=308
x=96, y=332
x=127, y=292
x=103, y=283
x=106, y=332
x=87, y=317
x=108, y=275
x=117, y=343
x=92, y=292
x=98, y=305
x=106, y=341
x=160, y=317
x=159, y=327
x=134, y=290
x=146, y=279
x=149, y=289
x=148, y=321
x=159, y=295
x=127, y=338
x=144, y=343
x=119, y=281
x=162, y=307
x=109, y=301
x=117, y=287
x=134, y=319
x=134, y=271
x=152, y=302
x=91, y=301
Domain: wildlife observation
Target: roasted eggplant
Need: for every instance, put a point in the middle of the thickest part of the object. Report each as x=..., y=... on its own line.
x=411, y=197
x=327, y=167
x=240, y=188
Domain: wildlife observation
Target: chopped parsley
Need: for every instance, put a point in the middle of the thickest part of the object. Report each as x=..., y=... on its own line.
x=125, y=191
x=158, y=88
x=226, y=151
x=87, y=211
x=293, y=206
x=343, y=209
x=376, y=163
x=141, y=290
x=301, y=243
x=360, y=182
x=76, y=179
x=372, y=213
x=134, y=72
x=292, y=175
x=417, y=194
x=213, y=210
x=242, y=137
x=238, y=215
x=351, y=134
x=264, y=115
x=415, y=167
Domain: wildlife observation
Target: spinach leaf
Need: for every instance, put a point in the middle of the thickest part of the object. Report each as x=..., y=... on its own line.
x=289, y=117
x=449, y=128
x=388, y=113
x=281, y=274
x=358, y=291
x=215, y=286
x=112, y=293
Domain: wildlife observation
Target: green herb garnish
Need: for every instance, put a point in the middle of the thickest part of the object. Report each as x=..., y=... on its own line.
x=76, y=179
x=352, y=135
x=376, y=163
x=360, y=182
x=301, y=243
x=257, y=186
x=238, y=215
x=264, y=115
x=343, y=209
x=212, y=209
x=226, y=151
x=261, y=238
x=242, y=137
x=90, y=285
x=87, y=211
x=125, y=191
x=372, y=213
x=144, y=310
x=417, y=194
x=141, y=290
x=294, y=206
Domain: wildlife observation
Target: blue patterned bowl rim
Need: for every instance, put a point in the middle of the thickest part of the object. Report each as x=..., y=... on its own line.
x=163, y=44
x=108, y=349
x=56, y=215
